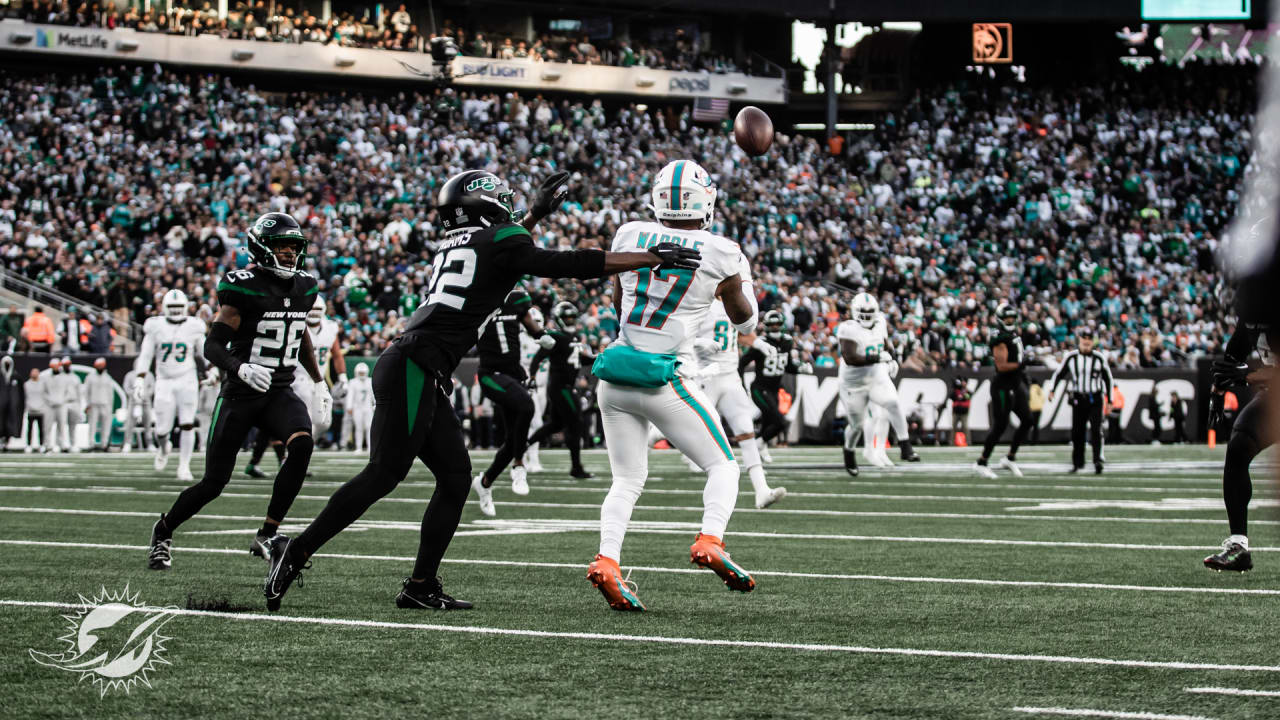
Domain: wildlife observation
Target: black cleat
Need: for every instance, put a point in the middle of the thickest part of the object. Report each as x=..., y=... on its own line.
x=1097, y=468
x=252, y=471
x=428, y=595
x=1074, y=470
x=851, y=462
x=160, y=553
x=912, y=457
x=261, y=546
x=283, y=570
x=581, y=474
x=1234, y=557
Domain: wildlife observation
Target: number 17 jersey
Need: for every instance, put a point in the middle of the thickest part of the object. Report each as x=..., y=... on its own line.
x=273, y=317
x=662, y=310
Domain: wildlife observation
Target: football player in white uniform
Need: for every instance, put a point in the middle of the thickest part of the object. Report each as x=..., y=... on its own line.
x=324, y=338
x=717, y=347
x=529, y=347
x=646, y=375
x=175, y=341
x=359, y=407
x=866, y=370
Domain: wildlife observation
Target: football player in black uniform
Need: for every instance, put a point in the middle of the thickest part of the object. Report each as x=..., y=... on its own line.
x=1251, y=434
x=484, y=255
x=770, y=370
x=1010, y=392
x=502, y=381
x=567, y=356
x=258, y=337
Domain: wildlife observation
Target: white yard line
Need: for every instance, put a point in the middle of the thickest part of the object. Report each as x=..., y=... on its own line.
x=666, y=640
x=1233, y=691
x=691, y=571
x=1072, y=712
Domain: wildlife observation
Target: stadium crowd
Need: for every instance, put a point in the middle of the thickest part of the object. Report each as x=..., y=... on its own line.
x=1092, y=204
x=393, y=30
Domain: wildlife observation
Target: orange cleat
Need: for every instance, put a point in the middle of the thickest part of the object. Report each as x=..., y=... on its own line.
x=604, y=573
x=708, y=551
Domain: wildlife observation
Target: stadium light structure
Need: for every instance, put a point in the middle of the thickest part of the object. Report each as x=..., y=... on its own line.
x=126, y=45
x=344, y=62
x=241, y=55
x=20, y=38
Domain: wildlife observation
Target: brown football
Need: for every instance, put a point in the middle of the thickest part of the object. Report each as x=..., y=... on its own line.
x=753, y=130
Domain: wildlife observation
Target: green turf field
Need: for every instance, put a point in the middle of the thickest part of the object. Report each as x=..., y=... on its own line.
x=923, y=592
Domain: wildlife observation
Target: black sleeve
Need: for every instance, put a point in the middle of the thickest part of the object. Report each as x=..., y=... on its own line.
x=538, y=357
x=1241, y=343
x=1106, y=375
x=519, y=255
x=215, y=349
x=747, y=358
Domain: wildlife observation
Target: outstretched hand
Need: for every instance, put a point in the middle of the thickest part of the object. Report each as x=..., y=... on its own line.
x=675, y=257
x=550, y=195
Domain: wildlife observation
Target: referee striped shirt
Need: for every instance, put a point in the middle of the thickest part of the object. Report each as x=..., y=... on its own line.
x=1084, y=373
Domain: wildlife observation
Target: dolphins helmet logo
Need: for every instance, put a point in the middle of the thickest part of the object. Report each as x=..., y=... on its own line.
x=112, y=658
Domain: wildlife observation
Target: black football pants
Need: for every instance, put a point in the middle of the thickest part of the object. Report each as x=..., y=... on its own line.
x=772, y=421
x=276, y=413
x=565, y=415
x=412, y=418
x=516, y=406
x=1250, y=436
x=1006, y=402
x=1086, y=409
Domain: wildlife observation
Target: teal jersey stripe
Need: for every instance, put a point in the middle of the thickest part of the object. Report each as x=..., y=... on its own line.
x=710, y=424
x=675, y=185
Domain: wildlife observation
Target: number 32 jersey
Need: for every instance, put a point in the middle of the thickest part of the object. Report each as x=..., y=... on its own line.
x=273, y=316
x=662, y=311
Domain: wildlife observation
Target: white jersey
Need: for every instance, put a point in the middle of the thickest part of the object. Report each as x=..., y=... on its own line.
x=662, y=312
x=359, y=394
x=718, y=353
x=322, y=339
x=869, y=342
x=173, y=345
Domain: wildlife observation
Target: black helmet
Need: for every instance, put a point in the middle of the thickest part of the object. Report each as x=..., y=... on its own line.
x=565, y=314
x=475, y=199
x=1007, y=316
x=270, y=231
x=773, y=324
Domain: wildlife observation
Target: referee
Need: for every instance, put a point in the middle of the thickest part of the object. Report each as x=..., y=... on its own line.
x=1089, y=382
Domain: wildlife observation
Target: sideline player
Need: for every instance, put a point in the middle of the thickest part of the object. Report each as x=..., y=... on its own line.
x=717, y=347
x=565, y=355
x=866, y=364
x=1250, y=435
x=1009, y=393
x=502, y=381
x=258, y=337
x=358, y=404
x=484, y=255
x=645, y=376
x=537, y=385
x=175, y=341
x=770, y=369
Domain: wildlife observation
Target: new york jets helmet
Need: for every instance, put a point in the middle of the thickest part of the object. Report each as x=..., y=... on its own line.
x=473, y=200
x=683, y=191
x=866, y=310
x=1007, y=316
x=272, y=231
x=565, y=315
x=316, y=313
x=774, y=324
x=174, y=306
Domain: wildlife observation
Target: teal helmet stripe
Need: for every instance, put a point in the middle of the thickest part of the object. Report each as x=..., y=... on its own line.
x=675, y=185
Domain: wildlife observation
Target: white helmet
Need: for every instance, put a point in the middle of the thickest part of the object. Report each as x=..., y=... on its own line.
x=316, y=313
x=683, y=191
x=174, y=305
x=866, y=310
x=362, y=370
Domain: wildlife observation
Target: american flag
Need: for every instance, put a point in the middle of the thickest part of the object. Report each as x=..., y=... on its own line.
x=710, y=109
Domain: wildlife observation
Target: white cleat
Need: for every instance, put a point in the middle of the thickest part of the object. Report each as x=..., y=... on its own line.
x=764, y=500
x=1011, y=466
x=764, y=454
x=984, y=471
x=882, y=459
x=161, y=460
x=519, y=481
x=485, y=496
x=184, y=474
x=126, y=449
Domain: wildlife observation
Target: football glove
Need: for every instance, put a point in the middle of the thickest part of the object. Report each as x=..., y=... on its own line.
x=321, y=404
x=892, y=367
x=764, y=347
x=139, y=389
x=255, y=376
x=550, y=195
x=1228, y=374
x=546, y=342
x=675, y=257
x=804, y=369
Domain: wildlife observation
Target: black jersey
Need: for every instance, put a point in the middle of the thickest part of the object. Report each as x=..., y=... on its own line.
x=273, y=317
x=499, y=344
x=472, y=276
x=771, y=369
x=1013, y=341
x=1249, y=338
x=565, y=357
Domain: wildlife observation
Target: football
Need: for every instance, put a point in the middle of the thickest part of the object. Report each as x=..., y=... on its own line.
x=753, y=130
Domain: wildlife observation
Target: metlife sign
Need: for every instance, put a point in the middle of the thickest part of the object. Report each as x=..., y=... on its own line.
x=71, y=39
